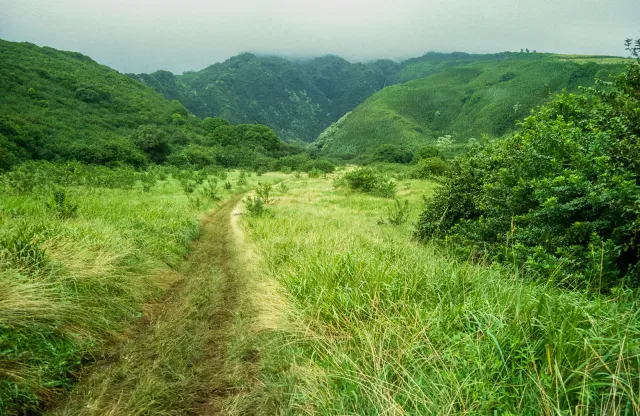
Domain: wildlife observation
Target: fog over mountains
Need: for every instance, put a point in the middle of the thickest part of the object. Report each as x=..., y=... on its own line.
x=145, y=35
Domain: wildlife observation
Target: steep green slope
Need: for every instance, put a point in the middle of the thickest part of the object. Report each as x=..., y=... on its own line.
x=298, y=99
x=464, y=101
x=57, y=105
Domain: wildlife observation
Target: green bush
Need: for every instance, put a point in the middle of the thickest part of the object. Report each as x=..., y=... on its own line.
x=426, y=152
x=315, y=173
x=324, y=165
x=393, y=154
x=397, y=214
x=255, y=206
x=60, y=204
x=263, y=190
x=366, y=180
x=210, y=190
x=559, y=198
x=242, y=179
x=429, y=167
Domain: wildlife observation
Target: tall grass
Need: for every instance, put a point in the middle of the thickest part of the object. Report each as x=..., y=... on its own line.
x=70, y=285
x=393, y=327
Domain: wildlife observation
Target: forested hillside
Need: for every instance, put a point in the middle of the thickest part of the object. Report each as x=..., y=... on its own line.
x=298, y=99
x=62, y=106
x=460, y=98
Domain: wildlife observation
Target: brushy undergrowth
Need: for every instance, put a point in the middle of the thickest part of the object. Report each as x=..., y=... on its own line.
x=367, y=180
x=559, y=198
x=397, y=327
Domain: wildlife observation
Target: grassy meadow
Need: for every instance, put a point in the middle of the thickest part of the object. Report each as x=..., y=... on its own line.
x=379, y=324
x=74, y=275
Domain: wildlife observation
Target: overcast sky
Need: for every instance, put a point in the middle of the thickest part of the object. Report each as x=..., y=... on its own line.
x=147, y=35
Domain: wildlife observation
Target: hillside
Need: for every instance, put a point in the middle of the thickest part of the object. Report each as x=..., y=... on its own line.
x=461, y=98
x=298, y=99
x=57, y=105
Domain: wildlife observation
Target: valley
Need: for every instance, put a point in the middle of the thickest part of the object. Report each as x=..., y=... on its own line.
x=448, y=234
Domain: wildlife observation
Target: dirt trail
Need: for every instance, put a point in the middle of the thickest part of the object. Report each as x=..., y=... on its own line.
x=177, y=360
x=218, y=248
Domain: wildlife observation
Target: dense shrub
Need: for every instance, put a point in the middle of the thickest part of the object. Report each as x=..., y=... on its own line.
x=369, y=181
x=426, y=152
x=393, y=153
x=560, y=197
x=324, y=165
x=432, y=166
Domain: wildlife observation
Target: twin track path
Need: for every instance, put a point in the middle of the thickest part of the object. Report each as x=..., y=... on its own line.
x=177, y=361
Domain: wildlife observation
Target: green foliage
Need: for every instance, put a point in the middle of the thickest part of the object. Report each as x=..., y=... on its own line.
x=228, y=186
x=397, y=214
x=315, y=173
x=464, y=97
x=148, y=179
x=368, y=181
x=323, y=165
x=427, y=151
x=429, y=167
x=242, y=179
x=559, y=198
x=153, y=141
x=393, y=154
x=80, y=110
x=263, y=191
x=61, y=205
x=298, y=99
x=255, y=206
x=40, y=176
x=283, y=188
x=210, y=190
x=24, y=247
x=188, y=186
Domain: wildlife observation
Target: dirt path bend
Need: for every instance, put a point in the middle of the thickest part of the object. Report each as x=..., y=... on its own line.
x=192, y=354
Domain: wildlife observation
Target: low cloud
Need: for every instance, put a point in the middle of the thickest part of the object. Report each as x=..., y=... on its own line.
x=146, y=35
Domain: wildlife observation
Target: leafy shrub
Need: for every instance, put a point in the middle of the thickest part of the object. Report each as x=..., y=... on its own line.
x=283, y=188
x=426, y=152
x=393, y=153
x=60, y=204
x=188, y=186
x=286, y=169
x=200, y=176
x=242, y=178
x=560, y=197
x=315, y=173
x=432, y=166
x=255, y=206
x=507, y=76
x=210, y=190
x=366, y=180
x=396, y=214
x=228, y=186
x=324, y=165
x=264, y=193
x=148, y=180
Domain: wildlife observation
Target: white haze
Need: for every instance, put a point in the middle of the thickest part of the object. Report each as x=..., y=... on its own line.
x=146, y=35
